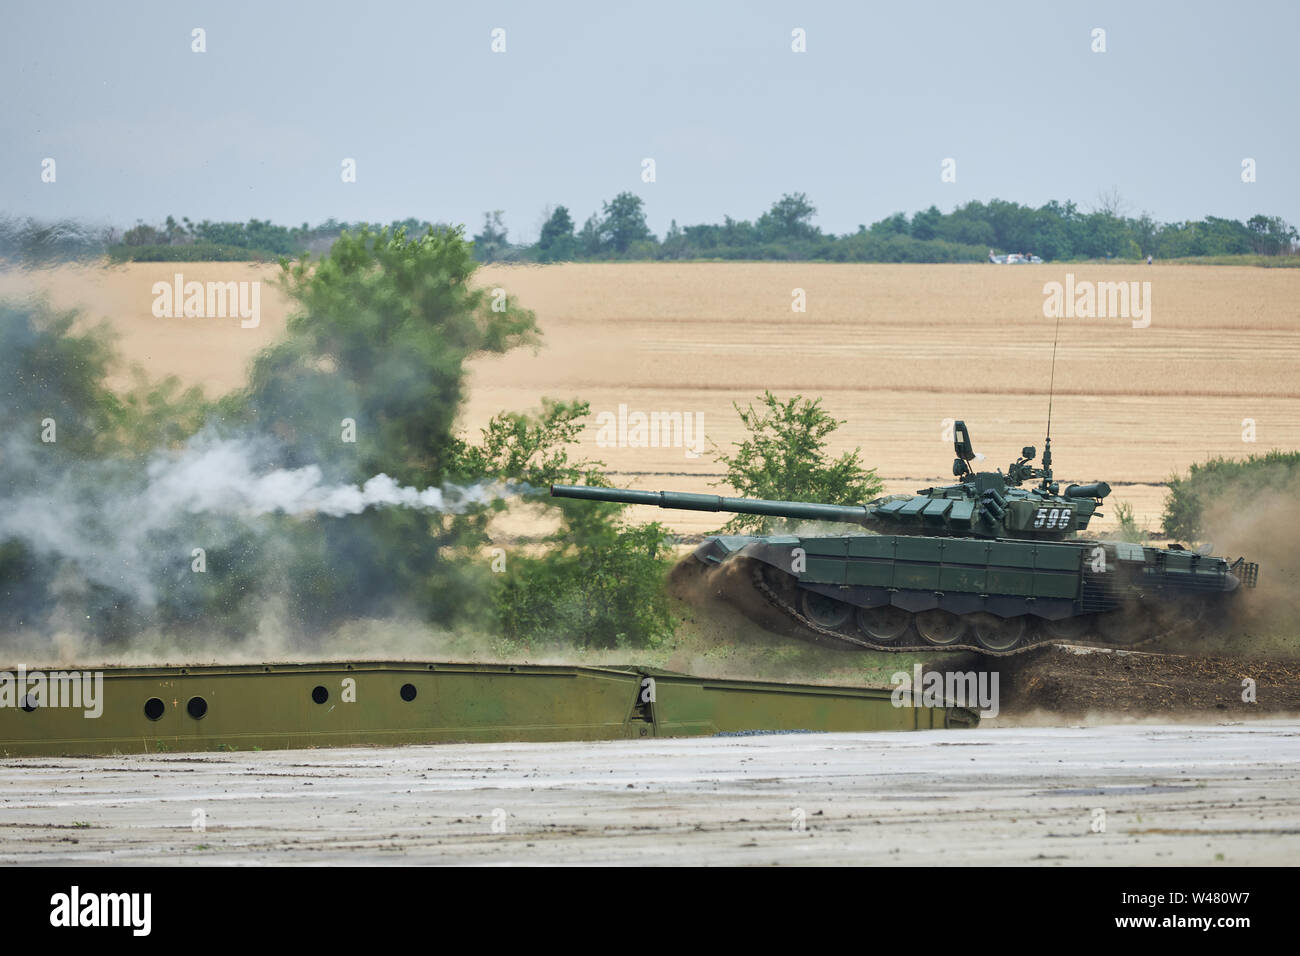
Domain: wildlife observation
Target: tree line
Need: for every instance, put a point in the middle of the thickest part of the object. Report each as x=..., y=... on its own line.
x=1054, y=231
x=785, y=231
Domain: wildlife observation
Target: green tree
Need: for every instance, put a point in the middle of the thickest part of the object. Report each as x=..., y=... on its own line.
x=925, y=224
x=383, y=329
x=600, y=582
x=785, y=458
x=895, y=225
x=522, y=447
x=624, y=222
x=143, y=235
x=967, y=225
x=789, y=218
x=1144, y=230
x=1271, y=235
x=1104, y=235
x=741, y=234
x=557, y=242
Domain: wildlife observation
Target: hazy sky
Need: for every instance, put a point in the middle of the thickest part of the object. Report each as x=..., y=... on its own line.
x=442, y=128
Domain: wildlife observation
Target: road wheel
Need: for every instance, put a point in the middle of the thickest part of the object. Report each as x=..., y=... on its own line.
x=998, y=633
x=940, y=627
x=824, y=611
x=884, y=624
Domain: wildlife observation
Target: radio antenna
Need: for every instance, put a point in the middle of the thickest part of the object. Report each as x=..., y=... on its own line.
x=1051, y=391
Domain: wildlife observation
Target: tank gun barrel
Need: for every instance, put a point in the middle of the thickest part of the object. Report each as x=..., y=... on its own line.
x=686, y=501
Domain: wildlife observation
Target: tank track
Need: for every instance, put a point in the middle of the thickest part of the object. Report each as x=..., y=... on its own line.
x=857, y=641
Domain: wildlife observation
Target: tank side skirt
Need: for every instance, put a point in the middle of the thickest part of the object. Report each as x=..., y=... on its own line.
x=1001, y=605
x=852, y=640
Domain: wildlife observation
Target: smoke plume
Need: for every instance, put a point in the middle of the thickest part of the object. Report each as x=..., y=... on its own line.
x=113, y=524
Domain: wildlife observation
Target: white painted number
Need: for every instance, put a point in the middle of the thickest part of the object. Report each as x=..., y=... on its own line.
x=1052, y=519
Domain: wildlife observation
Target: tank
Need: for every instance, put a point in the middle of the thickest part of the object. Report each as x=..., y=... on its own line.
x=994, y=563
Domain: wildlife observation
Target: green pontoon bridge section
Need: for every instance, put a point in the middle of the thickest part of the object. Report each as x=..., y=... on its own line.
x=282, y=706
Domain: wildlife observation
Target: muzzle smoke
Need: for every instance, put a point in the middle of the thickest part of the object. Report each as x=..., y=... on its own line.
x=112, y=523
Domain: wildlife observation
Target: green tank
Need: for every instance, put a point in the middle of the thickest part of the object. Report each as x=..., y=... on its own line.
x=994, y=563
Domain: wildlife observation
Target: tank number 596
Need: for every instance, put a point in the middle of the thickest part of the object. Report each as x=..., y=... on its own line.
x=1052, y=518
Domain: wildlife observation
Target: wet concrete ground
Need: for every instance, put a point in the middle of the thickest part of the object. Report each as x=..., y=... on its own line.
x=1170, y=795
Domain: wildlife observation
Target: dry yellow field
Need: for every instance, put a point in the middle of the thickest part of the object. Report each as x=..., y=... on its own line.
x=893, y=350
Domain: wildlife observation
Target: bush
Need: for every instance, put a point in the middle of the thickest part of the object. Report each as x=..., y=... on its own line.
x=605, y=590
x=1128, y=529
x=1220, y=479
x=600, y=583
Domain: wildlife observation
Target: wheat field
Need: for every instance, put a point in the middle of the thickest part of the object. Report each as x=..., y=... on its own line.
x=894, y=350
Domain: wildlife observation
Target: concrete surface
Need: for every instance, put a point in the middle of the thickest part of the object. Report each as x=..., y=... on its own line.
x=1171, y=795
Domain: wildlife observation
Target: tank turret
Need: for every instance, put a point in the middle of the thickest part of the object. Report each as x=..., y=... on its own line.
x=980, y=505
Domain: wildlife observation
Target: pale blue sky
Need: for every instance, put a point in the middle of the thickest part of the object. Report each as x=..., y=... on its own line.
x=443, y=129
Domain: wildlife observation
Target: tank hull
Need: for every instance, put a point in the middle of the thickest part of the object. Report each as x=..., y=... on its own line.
x=998, y=595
